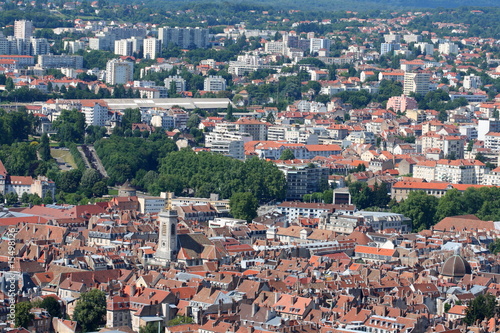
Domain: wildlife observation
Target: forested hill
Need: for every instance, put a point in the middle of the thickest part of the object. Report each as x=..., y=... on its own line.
x=332, y=5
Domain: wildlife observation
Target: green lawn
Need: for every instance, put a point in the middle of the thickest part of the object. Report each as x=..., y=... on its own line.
x=64, y=155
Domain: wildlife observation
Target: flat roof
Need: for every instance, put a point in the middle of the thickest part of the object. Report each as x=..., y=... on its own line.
x=187, y=103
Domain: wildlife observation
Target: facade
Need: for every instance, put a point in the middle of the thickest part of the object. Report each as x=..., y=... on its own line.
x=303, y=179
x=152, y=48
x=119, y=71
x=41, y=186
x=180, y=83
x=214, y=83
x=417, y=83
x=23, y=29
x=184, y=37
x=95, y=111
x=448, y=48
x=256, y=128
x=401, y=103
x=319, y=43
x=58, y=61
x=167, y=242
x=492, y=141
x=151, y=205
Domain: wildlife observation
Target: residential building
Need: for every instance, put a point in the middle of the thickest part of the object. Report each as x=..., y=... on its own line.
x=256, y=128
x=152, y=48
x=319, y=43
x=448, y=48
x=95, y=111
x=57, y=61
x=303, y=179
x=119, y=71
x=492, y=141
x=180, y=83
x=184, y=37
x=151, y=205
x=417, y=83
x=472, y=82
x=23, y=29
x=401, y=103
x=214, y=83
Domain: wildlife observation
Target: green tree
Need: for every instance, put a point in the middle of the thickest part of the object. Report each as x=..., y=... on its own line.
x=89, y=178
x=70, y=126
x=68, y=181
x=480, y=308
x=229, y=113
x=243, y=205
x=149, y=328
x=130, y=116
x=420, y=208
x=23, y=316
x=494, y=247
x=451, y=204
x=99, y=189
x=287, y=154
x=9, y=84
x=52, y=306
x=44, y=148
x=11, y=198
x=90, y=310
x=193, y=121
x=179, y=320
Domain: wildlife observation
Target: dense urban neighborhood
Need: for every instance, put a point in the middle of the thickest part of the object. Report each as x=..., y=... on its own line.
x=248, y=168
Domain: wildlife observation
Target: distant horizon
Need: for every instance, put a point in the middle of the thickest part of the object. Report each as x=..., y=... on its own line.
x=339, y=5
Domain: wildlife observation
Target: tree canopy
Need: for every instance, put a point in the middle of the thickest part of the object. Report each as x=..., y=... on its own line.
x=90, y=310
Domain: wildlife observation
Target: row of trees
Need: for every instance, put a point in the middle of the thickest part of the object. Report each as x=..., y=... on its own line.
x=133, y=157
x=426, y=210
x=203, y=173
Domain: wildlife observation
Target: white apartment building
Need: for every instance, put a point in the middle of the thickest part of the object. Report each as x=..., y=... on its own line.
x=231, y=148
x=180, y=83
x=417, y=83
x=316, y=44
x=492, y=141
x=448, y=48
x=95, y=111
x=214, y=83
x=226, y=132
x=472, y=82
x=461, y=171
x=274, y=47
x=152, y=48
x=151, y=205
x=484, y=126
x=119, y=71
x=23, y=29
x=58, y=61
x=426, y=48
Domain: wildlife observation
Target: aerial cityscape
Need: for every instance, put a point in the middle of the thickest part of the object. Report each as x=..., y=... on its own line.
x=226, y=167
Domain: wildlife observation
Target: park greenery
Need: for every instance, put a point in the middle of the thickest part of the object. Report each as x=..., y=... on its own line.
x=202, y=173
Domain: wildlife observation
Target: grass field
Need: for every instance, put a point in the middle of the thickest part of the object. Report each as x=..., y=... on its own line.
x=63, y=155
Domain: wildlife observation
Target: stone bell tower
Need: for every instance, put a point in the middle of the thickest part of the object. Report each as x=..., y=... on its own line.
x=167, y=237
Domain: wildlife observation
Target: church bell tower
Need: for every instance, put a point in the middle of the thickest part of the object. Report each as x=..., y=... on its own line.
x=167, y=237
